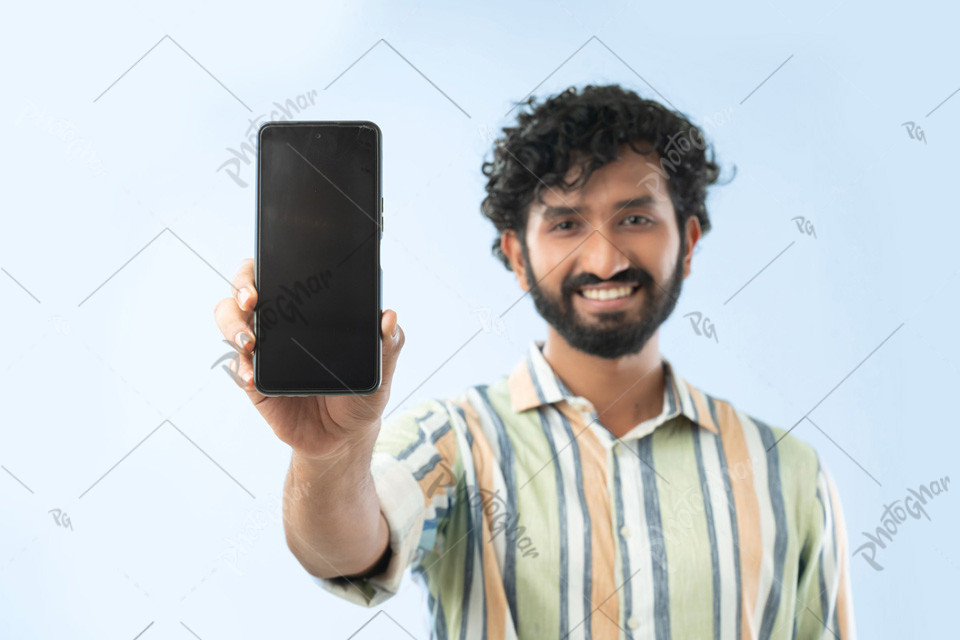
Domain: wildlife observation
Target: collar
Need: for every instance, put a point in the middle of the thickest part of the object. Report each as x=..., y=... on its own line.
x=534, y=383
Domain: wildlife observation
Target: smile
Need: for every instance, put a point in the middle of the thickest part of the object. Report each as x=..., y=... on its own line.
x=613, y=293
x=608, y=299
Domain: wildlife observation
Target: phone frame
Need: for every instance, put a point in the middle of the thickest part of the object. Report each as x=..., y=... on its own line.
x=377, y=237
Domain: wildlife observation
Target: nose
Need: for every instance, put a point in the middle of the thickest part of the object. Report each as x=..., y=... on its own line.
x=601, y=257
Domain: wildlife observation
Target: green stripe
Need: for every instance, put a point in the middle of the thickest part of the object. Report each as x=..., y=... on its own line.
x=684, y=524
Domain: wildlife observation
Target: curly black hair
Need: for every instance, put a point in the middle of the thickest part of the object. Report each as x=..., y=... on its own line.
x=592, y=125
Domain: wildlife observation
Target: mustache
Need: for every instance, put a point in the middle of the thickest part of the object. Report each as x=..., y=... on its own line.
x=634, y=276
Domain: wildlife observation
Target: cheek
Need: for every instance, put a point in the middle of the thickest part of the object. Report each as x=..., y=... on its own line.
x=666, y=259
x=551, y=262
x=549, y=271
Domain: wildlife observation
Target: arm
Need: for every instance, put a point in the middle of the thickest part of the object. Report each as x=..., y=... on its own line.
x=332, y=516
x=332, y=521
x=824, y=600
x=415, y=468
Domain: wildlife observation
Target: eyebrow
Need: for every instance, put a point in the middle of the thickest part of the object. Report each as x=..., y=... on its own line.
x=559, y=211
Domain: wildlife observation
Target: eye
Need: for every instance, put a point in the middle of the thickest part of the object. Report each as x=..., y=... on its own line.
x=556, y=227
x=634, y=215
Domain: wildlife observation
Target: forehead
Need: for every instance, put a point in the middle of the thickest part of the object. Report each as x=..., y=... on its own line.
x=634, y=175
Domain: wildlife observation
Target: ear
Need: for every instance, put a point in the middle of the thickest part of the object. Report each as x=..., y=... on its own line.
x=692, y=232
x=510, y=245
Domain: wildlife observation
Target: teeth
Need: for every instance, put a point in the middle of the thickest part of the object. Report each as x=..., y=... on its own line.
x=606, y=294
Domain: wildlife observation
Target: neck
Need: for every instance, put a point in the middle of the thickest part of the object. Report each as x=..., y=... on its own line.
x=625, y=391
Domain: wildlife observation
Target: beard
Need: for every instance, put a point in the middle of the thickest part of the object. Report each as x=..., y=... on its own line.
x=612, y=334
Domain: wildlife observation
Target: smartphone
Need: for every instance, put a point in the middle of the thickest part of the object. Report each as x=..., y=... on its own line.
x=318, y=275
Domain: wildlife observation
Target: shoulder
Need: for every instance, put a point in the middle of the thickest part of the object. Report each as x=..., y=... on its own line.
x=791, y=465
x=487, y=400
x=457, y=411
x=425, y=409
x=782, y=446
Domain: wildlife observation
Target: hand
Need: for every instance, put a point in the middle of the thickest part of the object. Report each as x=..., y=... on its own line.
x=316, y=427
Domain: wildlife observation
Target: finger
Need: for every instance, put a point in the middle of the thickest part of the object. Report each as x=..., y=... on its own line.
x=393, y=340
x=243, y=286
x=241, y=370
x=245, y=376
x=235, y=325
x=242, y=373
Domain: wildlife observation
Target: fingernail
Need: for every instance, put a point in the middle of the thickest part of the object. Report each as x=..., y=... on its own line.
x=243, y=295
x=242, y=340
x=396, y=331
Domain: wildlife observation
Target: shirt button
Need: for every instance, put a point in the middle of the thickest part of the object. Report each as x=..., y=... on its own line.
x=617, y=448
x=624, y=531
x=633, y=623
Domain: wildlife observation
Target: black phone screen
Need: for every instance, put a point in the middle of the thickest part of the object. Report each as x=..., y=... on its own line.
x=318, y=277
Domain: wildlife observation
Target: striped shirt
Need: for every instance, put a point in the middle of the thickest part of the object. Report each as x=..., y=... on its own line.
x=523, y=517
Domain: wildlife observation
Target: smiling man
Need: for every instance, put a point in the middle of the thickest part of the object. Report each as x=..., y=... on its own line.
x=628, y=502
x=612, y=264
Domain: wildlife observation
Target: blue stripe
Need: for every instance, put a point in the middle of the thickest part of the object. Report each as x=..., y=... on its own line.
x=474, y=544
x=693, y=408
x=673, y=395
x=562, y=508
x=438, y=630
x=510, y=482
x=780, y=542
x=421, y=437
x=428, y=466
x=536, y=380
x=468, y=561
x=624, y=552
x=651, y=503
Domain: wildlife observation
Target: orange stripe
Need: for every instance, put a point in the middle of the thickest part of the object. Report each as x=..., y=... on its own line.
x=844, y=606
x=703, y=411
x=497, y=612
x=747, y=509
x=441, y=476
x=523, y=394
x=593, y=459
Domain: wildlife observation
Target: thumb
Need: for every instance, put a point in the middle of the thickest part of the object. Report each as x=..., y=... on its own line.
x=393, y=340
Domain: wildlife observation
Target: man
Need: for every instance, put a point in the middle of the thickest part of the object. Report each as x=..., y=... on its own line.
x=592, y=492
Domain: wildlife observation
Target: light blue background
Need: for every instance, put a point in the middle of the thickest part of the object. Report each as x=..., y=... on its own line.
x=119, y=235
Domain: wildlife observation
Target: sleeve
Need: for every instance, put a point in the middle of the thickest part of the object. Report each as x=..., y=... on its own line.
x=824, y=599
x=416, y=467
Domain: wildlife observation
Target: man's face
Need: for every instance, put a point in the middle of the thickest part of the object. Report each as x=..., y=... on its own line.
x=610, y=245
